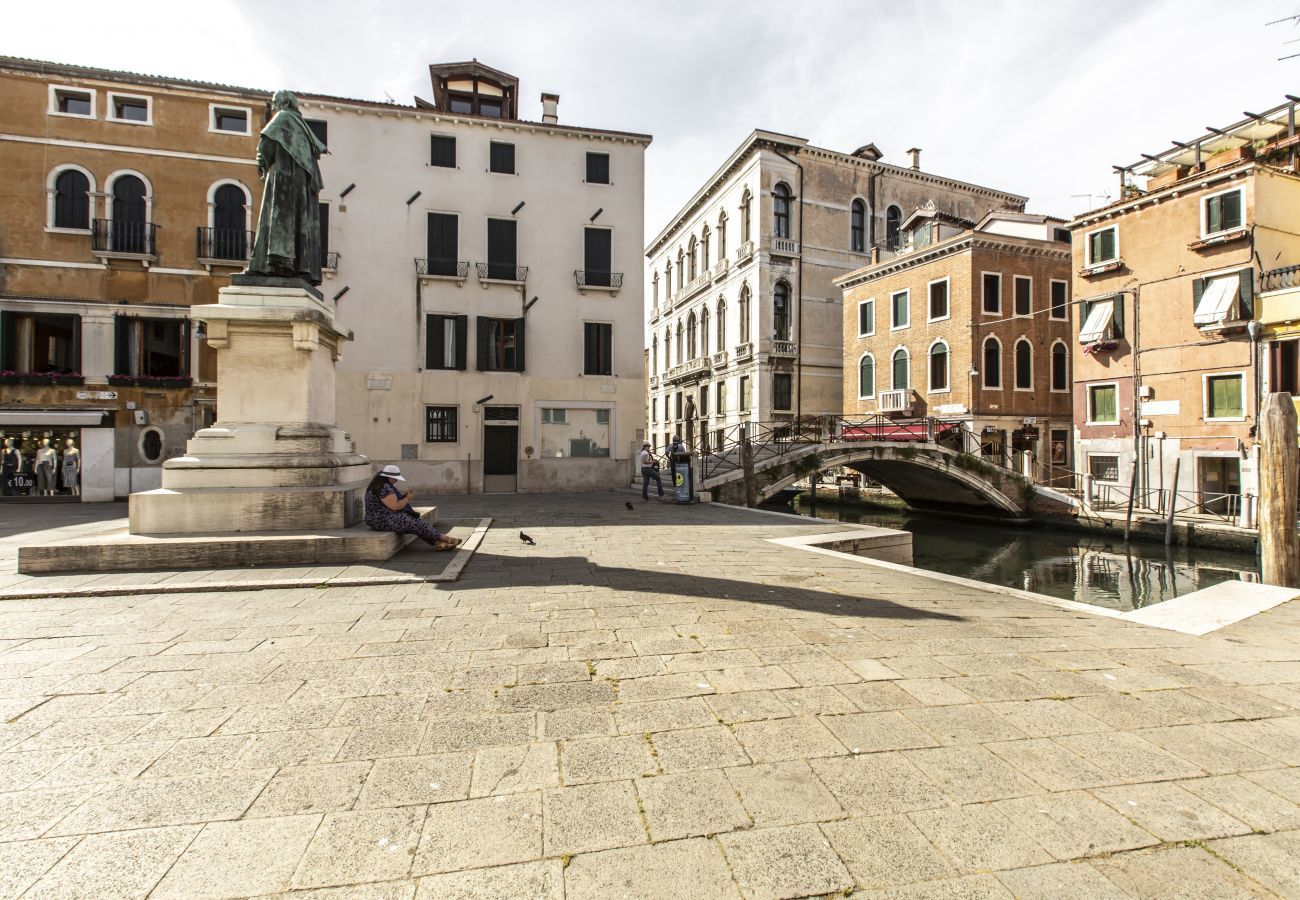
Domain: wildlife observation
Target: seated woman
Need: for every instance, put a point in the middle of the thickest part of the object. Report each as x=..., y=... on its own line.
x=388, y=509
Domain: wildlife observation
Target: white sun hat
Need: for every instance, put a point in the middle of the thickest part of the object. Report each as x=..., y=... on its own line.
x=393, y=472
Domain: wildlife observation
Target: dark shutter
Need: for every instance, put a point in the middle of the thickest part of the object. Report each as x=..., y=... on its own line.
x=1117, y=319
x=501, y=158
x=442, y=151
x=484, y=337
x=1246, y=298
x=8, y=337
x=121, y=345
x=443, y=243
x=185, y=350
x=501, y=249
x=519, y=344
x=76, y=344
x=462, y=337
x=433, y=343
x=71, y=200
x=589, y=353
x=598, y=168
x=607, y=349
x=596, y=255
x=324, y=230
x=1198, y=288
x=320, y=128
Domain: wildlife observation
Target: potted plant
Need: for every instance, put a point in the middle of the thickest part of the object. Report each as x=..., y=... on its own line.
x=8, y=376
x=121, y=380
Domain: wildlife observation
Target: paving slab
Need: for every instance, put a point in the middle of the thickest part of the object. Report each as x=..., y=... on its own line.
x=239, y=858
x=882, y=851
x=121, y=864
x=690, y=868
x=793, y=861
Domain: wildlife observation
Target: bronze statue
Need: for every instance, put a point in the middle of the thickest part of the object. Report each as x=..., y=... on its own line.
x=288, y=241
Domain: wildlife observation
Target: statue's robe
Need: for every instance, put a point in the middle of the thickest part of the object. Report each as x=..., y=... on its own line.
x=288, y=241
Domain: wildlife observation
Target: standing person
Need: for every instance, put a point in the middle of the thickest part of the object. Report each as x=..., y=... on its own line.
x=676, y=446
x=649, y=469
x=388, y=509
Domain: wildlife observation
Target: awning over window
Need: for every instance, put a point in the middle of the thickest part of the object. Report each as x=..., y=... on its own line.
x=1217, y=300
x=39, y=417
x=1097, y=326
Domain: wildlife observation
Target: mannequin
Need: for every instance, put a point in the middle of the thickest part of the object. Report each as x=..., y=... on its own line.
x=11, y=462
x=71, y=472
x=46, y=459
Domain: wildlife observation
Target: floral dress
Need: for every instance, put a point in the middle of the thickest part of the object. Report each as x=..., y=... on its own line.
x=381, y=518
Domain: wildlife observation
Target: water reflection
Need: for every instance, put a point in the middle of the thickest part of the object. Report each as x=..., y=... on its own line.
x=1091, y=568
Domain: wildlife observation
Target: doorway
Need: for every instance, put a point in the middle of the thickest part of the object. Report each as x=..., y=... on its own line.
x=1218, y=484
x=500, y=450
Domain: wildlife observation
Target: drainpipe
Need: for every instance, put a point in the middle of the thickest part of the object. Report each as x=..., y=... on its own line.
x=798, y=353
x=1137, y=387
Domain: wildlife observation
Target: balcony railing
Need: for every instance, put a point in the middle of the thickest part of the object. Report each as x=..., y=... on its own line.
x=329, y=260
x=900, y=401
x=693, y=287
x=720, y=270
x=687, y=369
x=654, y=315
x=598, y=279
x=783, y=348
x=720, y=359
x=491, y=271
x=654, y=381
x=1277, y=279
x=745, y=350
x=785, y=246
x=226, y=244
x=745, y=251
x=114, y=236
x=442, y=268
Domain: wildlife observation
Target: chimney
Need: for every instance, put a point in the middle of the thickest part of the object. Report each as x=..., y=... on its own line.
x=550, y=108
x=914, y=158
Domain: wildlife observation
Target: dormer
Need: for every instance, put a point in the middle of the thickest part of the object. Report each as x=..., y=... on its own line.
x=473, y=89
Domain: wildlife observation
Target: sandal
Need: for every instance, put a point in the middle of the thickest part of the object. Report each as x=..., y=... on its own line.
x=446, y=543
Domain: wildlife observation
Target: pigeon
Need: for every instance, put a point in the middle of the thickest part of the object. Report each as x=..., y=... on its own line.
x=526, y=539
x=629, y=506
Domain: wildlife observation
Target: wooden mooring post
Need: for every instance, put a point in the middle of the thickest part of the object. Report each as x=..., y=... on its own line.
x=1173, y=504
x=1278, y=548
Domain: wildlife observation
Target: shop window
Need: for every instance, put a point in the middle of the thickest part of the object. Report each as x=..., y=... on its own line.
x=151, y=348
x=565, y=433
x=40, y=343
x=40, y=462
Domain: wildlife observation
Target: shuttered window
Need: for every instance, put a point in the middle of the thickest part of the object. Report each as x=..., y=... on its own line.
x=597, y=253
x=443, y=243
x=500, y=345
x=1024, y=290
x=598, y=348
x=1102, y=405
x=598, y=168
x=442, y=151
x=71, y=200
x=501, y=249
x=445, y=341
x=1223, y=397
x=502, y=158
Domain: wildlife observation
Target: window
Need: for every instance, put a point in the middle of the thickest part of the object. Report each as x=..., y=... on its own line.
x=39, y=342
x=321, y=129
x=1024, y=365
x=681, y=344
x=443, y=243
x=1103, y=405
x=781, y=319
x=781, y=211
x=151, y=445
x=1060, y=300
x=1223, y=298
x=654, y=289
x=551, y=416
x=692, y=257
x=76, y=102
x=722, y=234
x=445, y=340
x=597, y=168
x=691, y=345
x=704, y=250
x=681, y=270
x=1103, y=246
x=781, y=390
x=992, y=302
x=1102, y=320
x=858, y=227
x=597, y=249
x=231, y=119
x=1060, y=367
x=228, y=238
x=580, y=433
x=893, y=228
x=899, y=375
x=866, y=377
x=939, y=299
x=704, y=400
x=1104, y=468
x=992, y=374
x=440, y=424
x=501, y=158
x=129, y=207
x=500, y=345
x=899, y=313
x=1024, y=295
x=745, y=203
x=939, y=368
x=722, y=395
x=442, y=151
x=324, y=208
x=722, y=326
x=668, y=280
x=1221, y=213
x=501, y=243
x=866, y=318
x=704, y=331
x=151, y=348
x=744, y=314
x=1284, y=366
x=1225, y=397
x=130, y=108
x=72, y=200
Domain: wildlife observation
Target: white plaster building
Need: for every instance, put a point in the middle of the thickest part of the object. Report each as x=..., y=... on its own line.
x=744, y=317
x=490, y=269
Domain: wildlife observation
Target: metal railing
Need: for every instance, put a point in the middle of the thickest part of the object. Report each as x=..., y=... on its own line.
x=329, y=260
x=124, y=236
x=231, y=244
x=1216, y=505
x=596, y=278
x=502, y=272
x=442, y=268
x=1276, y=279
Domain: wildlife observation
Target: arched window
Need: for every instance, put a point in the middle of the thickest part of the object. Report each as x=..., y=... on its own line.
x=722, y=325
x=1060, y=367
x=129, y=231
x=781, y=311
x=654, y=356
x=781, y=211
x=72, y=200
x=668, y=280
x=1024, y=365
x=691, y=346
x=229, y=236
x=858, y=227
x=899, y=380
x=704, y=331
x=722, y=234
x=681, y=344
x=654, y=282
x=939, y=367
x=893, y=228
x=745, y=333
x=746, y=202
x=866, y=377
x=704, y=249
x=681, y=269
x=992, y=374
x=693, y=256
x=668, y=349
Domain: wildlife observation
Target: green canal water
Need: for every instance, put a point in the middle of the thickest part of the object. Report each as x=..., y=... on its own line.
x=1088, y=567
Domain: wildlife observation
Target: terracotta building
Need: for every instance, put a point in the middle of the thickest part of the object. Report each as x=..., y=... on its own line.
x=126, y=200
x=1169, y=366
x=968, y=323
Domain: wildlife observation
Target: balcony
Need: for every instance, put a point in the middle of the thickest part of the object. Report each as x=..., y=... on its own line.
x=654, y=381
x=111, y=239
x=721, y=269
x=1101, y=268
x=654, y=314
x=896, y=401
x=745, y=252
x=595, y=280
x=693, y=287
x=329, y=262
x=784, y=247
x=745, y=350
x=783, y=348
x=690, y=368
x=720, y=359
x=1216, y=240
x=442, y=270
x=222, y=246
x=501, y=273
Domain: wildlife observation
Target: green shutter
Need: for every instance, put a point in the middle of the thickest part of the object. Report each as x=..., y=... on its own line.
x=1103, y=404
x=1246, y=295
x=1225, y=397
x=1117, y=317
x=484, y=336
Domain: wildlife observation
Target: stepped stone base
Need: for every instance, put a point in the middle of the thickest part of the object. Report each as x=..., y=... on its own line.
x=126, y=552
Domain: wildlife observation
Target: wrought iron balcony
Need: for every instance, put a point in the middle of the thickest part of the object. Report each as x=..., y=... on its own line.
x=329, y=260
x=593, y=278
x=124, y=239
x=495, y=271
x=228, y=246
x=783, y=348
x=785, y=246
x=442, y=268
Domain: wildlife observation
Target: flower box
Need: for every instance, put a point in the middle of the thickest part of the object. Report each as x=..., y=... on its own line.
x=149, y=381
x=39, y=378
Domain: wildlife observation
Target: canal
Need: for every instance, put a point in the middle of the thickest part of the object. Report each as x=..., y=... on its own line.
x=1085, y=566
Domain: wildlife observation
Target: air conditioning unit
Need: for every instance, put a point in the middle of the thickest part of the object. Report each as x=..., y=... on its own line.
x=1145, y=392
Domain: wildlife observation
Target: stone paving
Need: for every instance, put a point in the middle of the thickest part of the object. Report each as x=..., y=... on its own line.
x=647, y=703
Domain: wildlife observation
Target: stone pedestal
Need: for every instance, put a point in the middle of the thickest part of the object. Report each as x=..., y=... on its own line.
x=274, y=460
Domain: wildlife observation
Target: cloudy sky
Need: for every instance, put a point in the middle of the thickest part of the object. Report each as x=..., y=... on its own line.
x=1039, y=97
